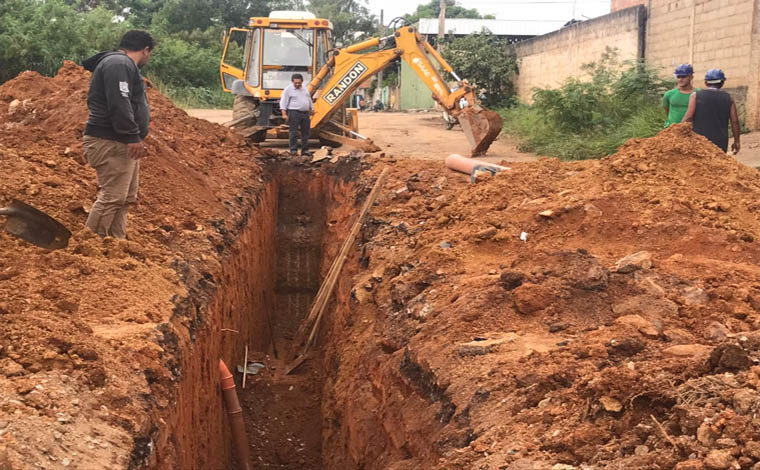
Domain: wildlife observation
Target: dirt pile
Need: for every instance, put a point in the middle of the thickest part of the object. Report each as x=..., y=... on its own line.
x=498, y=325
x=85, y=354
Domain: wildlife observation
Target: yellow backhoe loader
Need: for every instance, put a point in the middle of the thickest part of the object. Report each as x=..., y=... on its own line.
x=258, y=62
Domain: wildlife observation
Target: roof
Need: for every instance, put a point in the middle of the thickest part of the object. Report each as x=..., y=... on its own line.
x=463, y=26
x=291, y=15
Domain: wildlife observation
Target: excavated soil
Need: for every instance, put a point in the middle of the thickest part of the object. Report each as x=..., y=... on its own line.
x=468, y=346
x=486, y=325
x=90, y=339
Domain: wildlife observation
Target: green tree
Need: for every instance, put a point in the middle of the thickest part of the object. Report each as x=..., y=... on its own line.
x=433, y=8
x=348, y=17
x=486, y=61
x=41, y=35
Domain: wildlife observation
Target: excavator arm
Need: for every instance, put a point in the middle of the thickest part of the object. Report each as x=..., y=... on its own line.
x=349, y=67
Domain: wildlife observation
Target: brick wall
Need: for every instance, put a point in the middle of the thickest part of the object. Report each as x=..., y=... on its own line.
x=546, y=61
x=708, y=34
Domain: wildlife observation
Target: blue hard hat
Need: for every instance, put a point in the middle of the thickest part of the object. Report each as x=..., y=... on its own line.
x=684, y=69
x=715, y=76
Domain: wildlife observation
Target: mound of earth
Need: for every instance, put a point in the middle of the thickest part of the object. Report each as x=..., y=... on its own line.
x=589, y=315
x=84, y=366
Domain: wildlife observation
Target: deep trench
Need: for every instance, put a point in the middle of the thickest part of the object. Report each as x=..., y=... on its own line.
x=273, y=271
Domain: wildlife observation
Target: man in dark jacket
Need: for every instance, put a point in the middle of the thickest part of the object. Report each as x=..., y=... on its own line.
x=711, y=109
x=116, y=128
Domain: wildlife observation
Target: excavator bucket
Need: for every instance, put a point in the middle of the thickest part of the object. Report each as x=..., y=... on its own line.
x=481, y=127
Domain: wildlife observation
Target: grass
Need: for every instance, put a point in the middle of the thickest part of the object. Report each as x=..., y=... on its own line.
x=539, y=135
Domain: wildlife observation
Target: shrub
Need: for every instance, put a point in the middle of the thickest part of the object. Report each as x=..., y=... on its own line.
x=592, y=118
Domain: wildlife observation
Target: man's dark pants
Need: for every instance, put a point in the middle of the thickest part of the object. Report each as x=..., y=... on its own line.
x=299, y=120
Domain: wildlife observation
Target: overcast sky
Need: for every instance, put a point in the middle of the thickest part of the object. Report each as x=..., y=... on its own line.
x=554, y=11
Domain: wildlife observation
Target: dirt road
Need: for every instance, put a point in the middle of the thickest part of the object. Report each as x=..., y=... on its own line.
x=424, y=136
x=415, y=135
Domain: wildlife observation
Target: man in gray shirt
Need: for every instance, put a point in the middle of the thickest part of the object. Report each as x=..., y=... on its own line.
x=116, y=129
x=297, y=108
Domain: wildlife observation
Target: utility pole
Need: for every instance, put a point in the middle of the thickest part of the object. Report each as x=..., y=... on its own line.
x=379, y=94
x=441, y=25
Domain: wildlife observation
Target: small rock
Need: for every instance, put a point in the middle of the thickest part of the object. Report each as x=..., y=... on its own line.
x=556, y=327
x=643, y=431
x=744, y=400
x=547, y=213
x=594, y=278
x=67, y=306
x=641, y=450
x=651, y=286
x=626, y=346
x=486, y=234
x=716, y=332
x=645, y=327
x=719, y=460
x=511, y=279
x=752, y=449
x=445, y=245
x=634, y=262
x=377, y=274
x=694, y=296
x=688, y=350
x=530, y=298
x=726, y=443
x=362, y=296
x=611, y=404
x=439, y=183
x=563, y=466
x=10, y=368
x=706, y=434
x=321, y=154
x=691, y=464
x=729, y=358
x=592, y=210
x=479, y=348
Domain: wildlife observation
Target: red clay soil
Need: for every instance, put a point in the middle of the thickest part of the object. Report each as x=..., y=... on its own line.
x=83, y=369
x=462, y=346
x=454, y=344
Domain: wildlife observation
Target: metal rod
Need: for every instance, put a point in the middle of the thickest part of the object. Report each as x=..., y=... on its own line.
x=245, y=365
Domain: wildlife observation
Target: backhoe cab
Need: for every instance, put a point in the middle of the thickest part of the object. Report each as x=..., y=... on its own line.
x=259, y=61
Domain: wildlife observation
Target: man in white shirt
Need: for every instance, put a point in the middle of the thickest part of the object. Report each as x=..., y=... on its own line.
x=297, y=109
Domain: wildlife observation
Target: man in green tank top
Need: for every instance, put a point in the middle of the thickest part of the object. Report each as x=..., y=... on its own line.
x=676, y=101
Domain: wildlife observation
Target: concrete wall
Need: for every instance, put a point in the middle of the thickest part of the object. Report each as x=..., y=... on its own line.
x=546, y=61
x=709, y=34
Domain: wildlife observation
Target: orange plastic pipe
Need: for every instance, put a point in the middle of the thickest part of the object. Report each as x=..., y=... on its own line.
x=235, y=413
x=462, y=164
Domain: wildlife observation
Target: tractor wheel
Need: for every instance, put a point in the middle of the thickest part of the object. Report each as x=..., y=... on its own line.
x=243, y=106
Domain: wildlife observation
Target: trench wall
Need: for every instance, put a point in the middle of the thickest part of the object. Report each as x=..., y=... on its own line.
x=190, y=429
x=194, y=433
x=547, y=61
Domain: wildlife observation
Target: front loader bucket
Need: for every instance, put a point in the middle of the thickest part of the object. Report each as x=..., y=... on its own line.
x=481, y=127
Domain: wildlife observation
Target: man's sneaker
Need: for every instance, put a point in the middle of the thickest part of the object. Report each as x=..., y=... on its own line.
x=306, y=153
x=293, y=153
